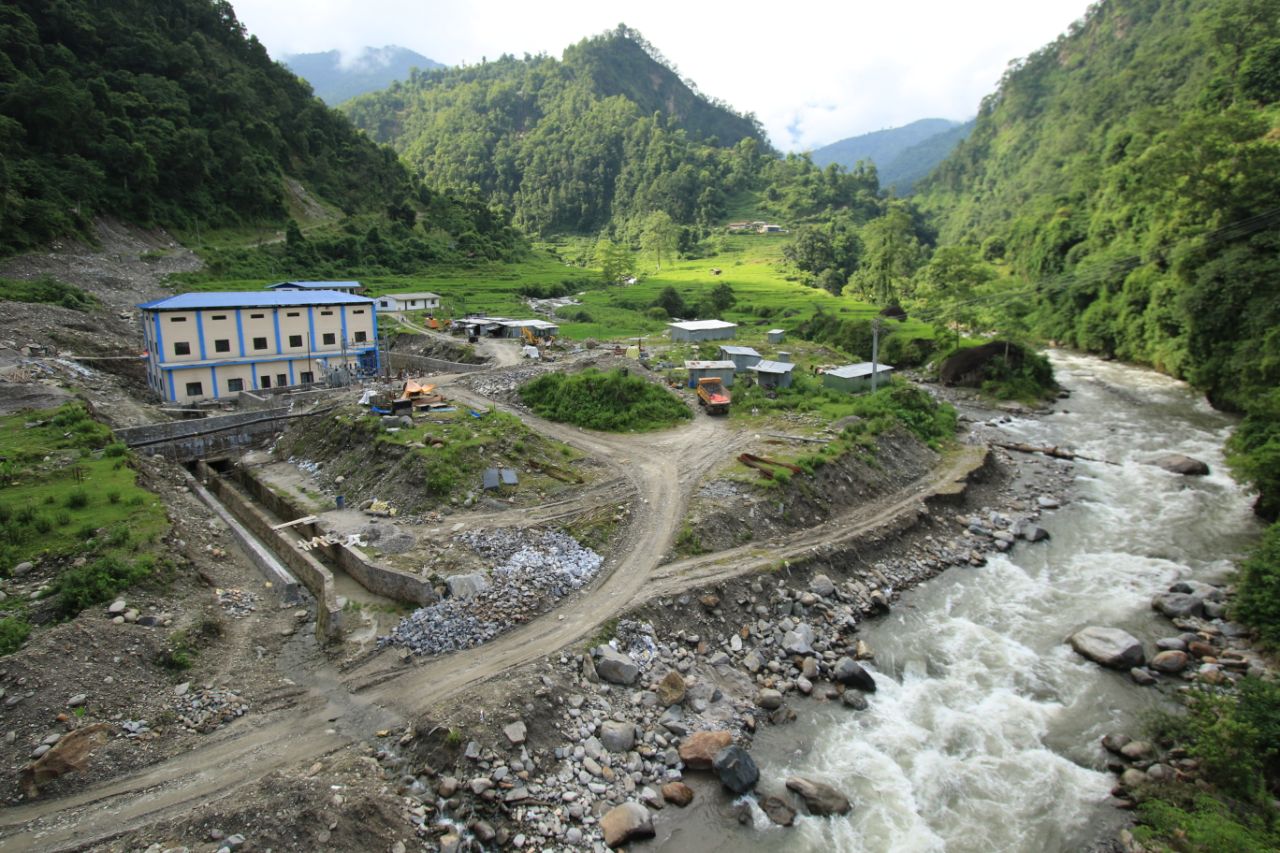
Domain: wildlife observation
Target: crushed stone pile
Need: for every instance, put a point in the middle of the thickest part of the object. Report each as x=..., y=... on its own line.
x=531, y=570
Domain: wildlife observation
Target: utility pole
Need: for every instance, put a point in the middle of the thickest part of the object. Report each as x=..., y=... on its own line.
x=875, y=352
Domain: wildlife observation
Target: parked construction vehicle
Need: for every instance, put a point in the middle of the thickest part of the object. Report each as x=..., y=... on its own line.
x=713, y=396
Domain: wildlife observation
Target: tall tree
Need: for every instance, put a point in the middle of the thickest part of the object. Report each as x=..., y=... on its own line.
x=658, y=239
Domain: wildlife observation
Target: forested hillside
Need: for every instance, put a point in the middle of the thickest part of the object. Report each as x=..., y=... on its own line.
x=1131, y=169
x=182, y=119
x=880, y=146
x=910, y=165
x=604, y=135
x=373, y=69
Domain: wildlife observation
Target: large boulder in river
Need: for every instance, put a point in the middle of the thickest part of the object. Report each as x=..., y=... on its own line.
x=616, y=667
x=850, y=673
x=699, y=749
x=736, y=768
x=1108, y=646
x=798, y=641
x=1178, y=605
x=626, y=822
x=1180, y=464
x=820, y=798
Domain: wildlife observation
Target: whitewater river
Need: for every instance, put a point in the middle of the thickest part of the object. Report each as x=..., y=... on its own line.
x=984, y=733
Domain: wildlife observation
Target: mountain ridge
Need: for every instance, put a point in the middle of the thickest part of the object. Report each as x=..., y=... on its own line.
x=334, y=80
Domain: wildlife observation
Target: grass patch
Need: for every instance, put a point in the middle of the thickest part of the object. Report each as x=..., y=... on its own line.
x=614, y=401
x=98, y=581
x=606, y=632
x=47, y=290
x=56, y=490
x=14, y=631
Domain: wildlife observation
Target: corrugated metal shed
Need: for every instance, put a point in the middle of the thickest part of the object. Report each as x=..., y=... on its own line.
x=773, y=374
x=315, y=285
x=702, y=330
x=742, y=357
x=706, y=369
x=776, y=336
x=856, y=377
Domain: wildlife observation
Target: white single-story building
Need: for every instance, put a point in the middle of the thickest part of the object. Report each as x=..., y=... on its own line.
x=742, y=357
x=408, y=302
x=776, y=336
x=340, y=286
x=855, y=378
x=723, y=370
x=773, y=374
x=702, y=330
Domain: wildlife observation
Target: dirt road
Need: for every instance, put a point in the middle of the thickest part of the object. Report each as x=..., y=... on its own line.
x=661, y=471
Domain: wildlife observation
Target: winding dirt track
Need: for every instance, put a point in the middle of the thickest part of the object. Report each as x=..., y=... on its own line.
x=661, y=471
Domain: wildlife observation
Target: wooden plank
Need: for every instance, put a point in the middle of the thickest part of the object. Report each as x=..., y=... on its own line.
x=306, y=519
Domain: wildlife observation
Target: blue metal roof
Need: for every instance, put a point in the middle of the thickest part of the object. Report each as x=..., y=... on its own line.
x=252, y=299
x=315, y=285
x=859, y=370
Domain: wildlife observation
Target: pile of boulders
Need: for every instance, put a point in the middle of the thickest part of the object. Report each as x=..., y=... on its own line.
x=532, y=570
x=203, y=709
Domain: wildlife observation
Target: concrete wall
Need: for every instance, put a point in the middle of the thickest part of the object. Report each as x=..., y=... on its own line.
x=203, y=437
x=380, y=580
x=422, y=363
x=309, y=571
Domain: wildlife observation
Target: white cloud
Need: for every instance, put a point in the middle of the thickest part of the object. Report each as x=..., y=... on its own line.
x=811, y=74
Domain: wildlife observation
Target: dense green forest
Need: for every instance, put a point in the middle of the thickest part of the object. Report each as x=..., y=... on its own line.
x=182, y=119
x=1131, y=169
x=604, y=135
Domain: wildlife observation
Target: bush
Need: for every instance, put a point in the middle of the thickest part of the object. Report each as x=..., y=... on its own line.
x=79, y=499
x=13, y=633
x=615, y=401
x=931, y=422
x=96, y=582
x=1258, y=597
x=1254, y=453
x=47, y=290
x=116, y=448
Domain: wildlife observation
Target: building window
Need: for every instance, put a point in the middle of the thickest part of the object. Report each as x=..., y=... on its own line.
x=235, y=384
x=222, y=345
x=265, y=381
x=361, y=310
x=181, y=348
x=330, y=339
x=295, y=340
x=218, y=317
x=195, y=389
x=306, y=377
x=326, y=313
x=177, y=319
x=361, y=337
x=259, y=343
x=282, y=379
x=293, y=314
x=257, y=316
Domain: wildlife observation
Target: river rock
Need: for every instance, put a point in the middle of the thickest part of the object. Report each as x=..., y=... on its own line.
x=624, y=823
x=798, y=641
x=1115, y=742
x=1142, y=676
x=677, y=793
x=699, y=749
x=1108, y=646
x=1178, y=605
x=820, y=798
x=849, y=672
x=776, y=809
x=855, y=700
x=467, y=586
x=1180, y=464
x=1137, y=750
x=1174, y=644
x=736, y=769
x=616, y=736
x=516, y=732
x=821, y=585
x=1033, y=532
x=671, y=689
x=1132, y=778
x=1170, y=661
x=769, y=699
x=616, y=667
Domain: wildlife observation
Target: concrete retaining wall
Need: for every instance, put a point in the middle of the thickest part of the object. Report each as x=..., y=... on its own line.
x=380, y=580
x=399, y=360
x=203, y=437
x=307, y=569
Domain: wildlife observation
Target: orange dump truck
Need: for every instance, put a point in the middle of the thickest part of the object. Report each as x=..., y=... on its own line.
x=712, y=396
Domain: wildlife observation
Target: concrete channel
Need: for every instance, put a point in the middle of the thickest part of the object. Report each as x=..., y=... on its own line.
x=292, y=548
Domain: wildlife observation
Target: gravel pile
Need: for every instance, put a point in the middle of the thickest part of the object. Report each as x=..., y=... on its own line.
x=237, y=602
x=500, y=382
x=206, y=708
x=532, y=570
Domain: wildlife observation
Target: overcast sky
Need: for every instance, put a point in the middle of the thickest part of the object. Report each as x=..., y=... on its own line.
x=813, y=73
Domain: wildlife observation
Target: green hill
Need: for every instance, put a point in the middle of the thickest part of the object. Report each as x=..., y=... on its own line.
x=915, y=162
x=604, y=135
x=880, y=146
x=1132, y=168
x=373, y=69
x=182, y=119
